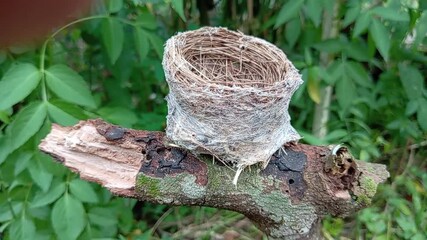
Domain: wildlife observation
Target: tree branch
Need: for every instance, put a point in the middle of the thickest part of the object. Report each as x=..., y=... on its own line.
x=287, y=199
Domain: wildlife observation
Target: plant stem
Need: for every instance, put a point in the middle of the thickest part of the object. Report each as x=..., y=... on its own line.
x=44, y=47
x=321, y=115
x=42, y=70
x=43, y=51
x=160, y=220
x=26, y=200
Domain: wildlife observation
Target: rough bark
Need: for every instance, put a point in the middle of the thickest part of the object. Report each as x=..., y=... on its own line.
x=287, y=199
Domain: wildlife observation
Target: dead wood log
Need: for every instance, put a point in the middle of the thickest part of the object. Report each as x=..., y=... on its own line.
x=286, y=200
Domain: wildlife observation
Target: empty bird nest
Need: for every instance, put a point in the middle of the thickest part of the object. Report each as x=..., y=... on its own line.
x=229, y=95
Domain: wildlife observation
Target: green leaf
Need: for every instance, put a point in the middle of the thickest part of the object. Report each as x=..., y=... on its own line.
x=44, y=198
x=58, y=52
x=89, y=232
x=293, y=31
x=268, y=24
x=22, y=228
x=118, y=115
x=5, y=149
x=126, y=220
x=313, y=85
x=83, y=191
x=357, y=50
x=400, y=204
x=407, y=224
x=146, y=20
x=4, y=117
x=422, y=114
x=102, y=217
x=41, y=134
x=336, y=135
x=137, y=2
x=151, y=121
x=21, y=160
x=59, y=116
x=345, y=90
x=311, y=139
x=8, y=211
x=411, y=107
x=18, y=82
x=390, y=14
x=323, y=74
x=141, y=42
x=314, y=11
x=308, y=56
x=394, y=124
x=359, y=74
x=58, y=170
x=381, y=37
x=362, y=23
x=39, y=174
x=330, y=45
x=412, y=81
x=112, y=37
x=378, y=226
x=72, y=109
x=68, y=217
x=114, y=5
x=288, y=11
x=420, y=28
x=178, y=6
x=157, y=43
x=353, y=11
x=6, y=225
x=26, y=123
x=419, y=236
x=69, y=85
x=336, y=71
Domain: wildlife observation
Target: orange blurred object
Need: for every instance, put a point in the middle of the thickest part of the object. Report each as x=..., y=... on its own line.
x=26, y=21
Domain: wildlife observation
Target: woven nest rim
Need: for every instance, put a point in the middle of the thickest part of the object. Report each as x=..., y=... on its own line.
x=218, y=57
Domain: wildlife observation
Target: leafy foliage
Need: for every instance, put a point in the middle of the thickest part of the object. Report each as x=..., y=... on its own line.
x=68, y=85
x=68, y=210
x=18, y=83
x=108, y=65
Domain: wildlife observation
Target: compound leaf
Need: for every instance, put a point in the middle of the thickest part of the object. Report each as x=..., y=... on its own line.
x=69, y=85
x=17, y=83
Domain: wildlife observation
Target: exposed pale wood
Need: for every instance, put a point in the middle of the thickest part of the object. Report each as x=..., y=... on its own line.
x=83, y=150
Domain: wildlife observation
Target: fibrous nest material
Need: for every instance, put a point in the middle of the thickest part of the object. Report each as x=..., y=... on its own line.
x=229, y=95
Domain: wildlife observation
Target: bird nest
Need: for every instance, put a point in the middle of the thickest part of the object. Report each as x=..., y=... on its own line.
x=229, y=95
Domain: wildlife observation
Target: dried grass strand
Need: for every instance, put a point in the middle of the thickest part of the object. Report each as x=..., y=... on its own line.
x=229, y=95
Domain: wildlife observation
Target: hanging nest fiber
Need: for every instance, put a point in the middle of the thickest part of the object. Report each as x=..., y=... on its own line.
x=229, y=95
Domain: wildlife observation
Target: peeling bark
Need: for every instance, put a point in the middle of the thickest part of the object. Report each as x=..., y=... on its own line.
x=287, y=199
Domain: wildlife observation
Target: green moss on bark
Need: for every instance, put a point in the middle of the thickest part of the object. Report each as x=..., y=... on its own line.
x=149, y=186
x=369, y=185
x=368, y=188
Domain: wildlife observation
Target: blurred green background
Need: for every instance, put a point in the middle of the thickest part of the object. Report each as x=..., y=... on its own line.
x=363, y=63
